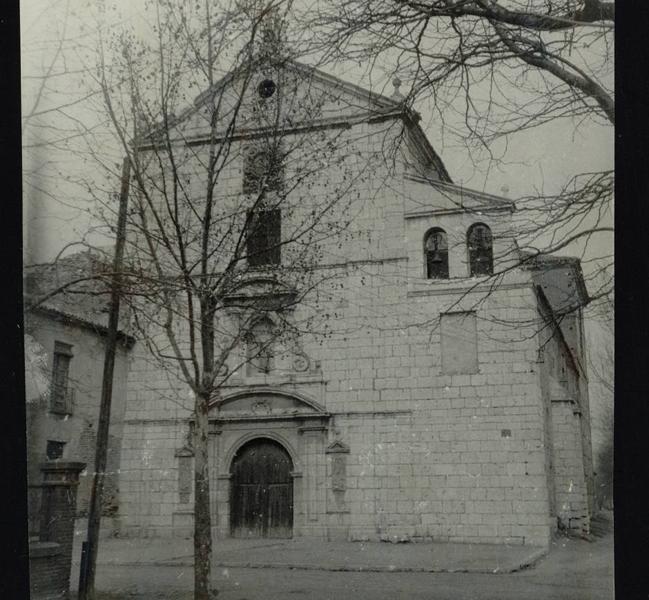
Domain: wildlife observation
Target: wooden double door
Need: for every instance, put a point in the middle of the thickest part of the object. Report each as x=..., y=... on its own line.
x=261, y=491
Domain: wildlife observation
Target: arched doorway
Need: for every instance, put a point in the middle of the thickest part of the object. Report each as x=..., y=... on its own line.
x=261, y=491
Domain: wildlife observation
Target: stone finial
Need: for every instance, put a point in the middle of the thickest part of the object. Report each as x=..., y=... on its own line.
x=396, y=82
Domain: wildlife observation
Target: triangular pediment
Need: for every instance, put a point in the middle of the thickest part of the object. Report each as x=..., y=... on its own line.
x=337, y=447
x=308, y=96
x=184, y=452
x=304, y=99
x=305, y=74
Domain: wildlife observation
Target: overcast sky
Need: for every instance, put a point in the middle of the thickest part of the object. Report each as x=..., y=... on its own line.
x=533, y=161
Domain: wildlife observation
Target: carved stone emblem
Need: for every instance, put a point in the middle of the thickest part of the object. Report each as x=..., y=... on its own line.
x=261, y=407
x=301, y=363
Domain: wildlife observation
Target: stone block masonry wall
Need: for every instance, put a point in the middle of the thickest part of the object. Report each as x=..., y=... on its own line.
x=441, y=475
x=156, y=426
x=465, y=461
x=149, y=477
x=570, y=481
x=432, y=455
x=568, y=450
x=586, y=443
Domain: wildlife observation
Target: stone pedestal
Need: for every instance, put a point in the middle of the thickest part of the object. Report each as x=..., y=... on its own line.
x=51, y=556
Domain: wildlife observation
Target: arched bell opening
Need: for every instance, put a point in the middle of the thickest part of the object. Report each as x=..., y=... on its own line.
x=436, y=254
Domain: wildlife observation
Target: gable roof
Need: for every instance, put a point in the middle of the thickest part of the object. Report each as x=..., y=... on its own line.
x=458, y=198
x=381, y=102
x=561, y=280
x=75, y=290
x=373, y=107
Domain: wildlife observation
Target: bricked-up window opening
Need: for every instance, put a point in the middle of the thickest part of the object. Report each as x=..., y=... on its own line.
x=184, y=479
x=263, y=170
x=339, y=472
x=480, y=243
x=259, y=347
x=54, y=449
x=61, y=394
x=436, y=248
x=263, y=244
x=459, y=343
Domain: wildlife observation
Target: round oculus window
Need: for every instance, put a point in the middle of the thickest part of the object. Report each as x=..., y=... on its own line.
x=266, y=88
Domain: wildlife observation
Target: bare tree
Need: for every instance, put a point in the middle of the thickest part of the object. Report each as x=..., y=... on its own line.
x=196, y=245
x=490, y=70
x=215, y=275
x=57, y=121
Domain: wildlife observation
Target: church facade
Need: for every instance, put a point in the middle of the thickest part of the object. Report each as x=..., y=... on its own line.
x=448, y=400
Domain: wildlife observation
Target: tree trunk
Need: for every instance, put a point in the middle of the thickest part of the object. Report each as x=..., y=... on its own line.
x=202, y=524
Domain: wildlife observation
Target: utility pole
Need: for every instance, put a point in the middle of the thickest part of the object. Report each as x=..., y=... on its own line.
x=89, y=551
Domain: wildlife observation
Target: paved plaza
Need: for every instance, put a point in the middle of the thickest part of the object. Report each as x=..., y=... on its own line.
x=573, y=569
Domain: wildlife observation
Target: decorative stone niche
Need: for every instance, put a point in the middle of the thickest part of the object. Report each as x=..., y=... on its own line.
x=338, y=451
x=184, y=456
x=338, y=512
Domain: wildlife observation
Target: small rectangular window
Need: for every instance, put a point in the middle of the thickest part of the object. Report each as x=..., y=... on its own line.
x=263, y=244
x=61, y=394
x=54, y=449
x=459, y=343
